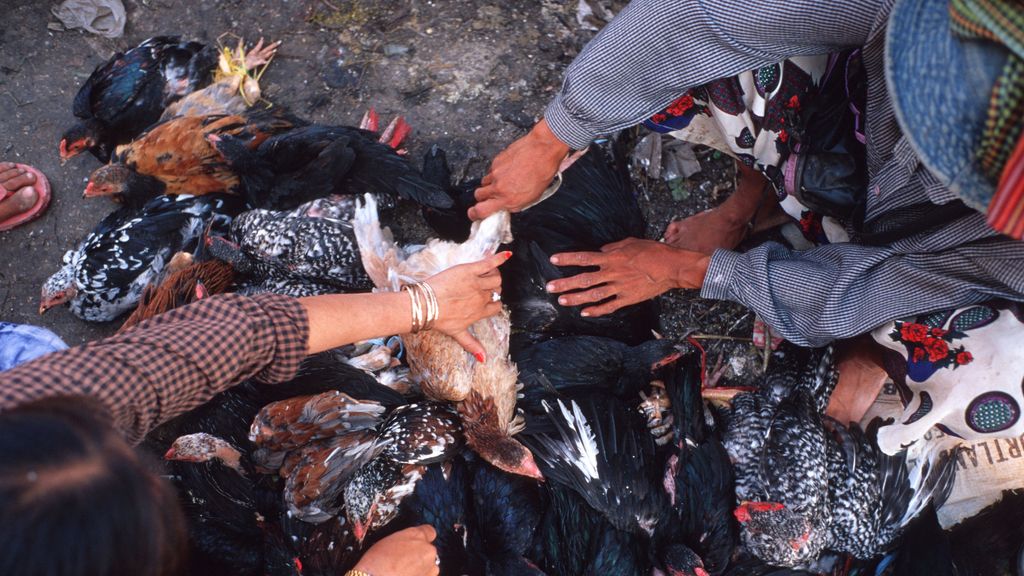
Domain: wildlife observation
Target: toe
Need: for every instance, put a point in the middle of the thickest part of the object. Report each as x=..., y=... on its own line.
x=5, y=166
x=25, y=198
x=16, y=178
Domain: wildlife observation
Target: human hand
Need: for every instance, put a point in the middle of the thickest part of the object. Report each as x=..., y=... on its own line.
x=629, y=271
x=407, y=552
x=520, y=173
x=465, y=295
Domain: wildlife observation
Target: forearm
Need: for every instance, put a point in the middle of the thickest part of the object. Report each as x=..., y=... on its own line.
x=842, y=290
x=172, y=363
x=339, y=319
x=656, y=50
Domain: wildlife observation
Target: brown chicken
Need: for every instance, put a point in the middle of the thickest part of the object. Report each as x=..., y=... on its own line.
x=484, y=392
x=316, y=473
x=189, y=283
x=178, y=156
x=288, y=424
x=235, y=88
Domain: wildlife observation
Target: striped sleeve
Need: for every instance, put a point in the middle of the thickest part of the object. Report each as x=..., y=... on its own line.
x=656, y=50
x=841, y=290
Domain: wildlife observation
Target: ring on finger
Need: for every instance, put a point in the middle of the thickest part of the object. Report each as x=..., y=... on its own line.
x=437, y=560
x=495, y=297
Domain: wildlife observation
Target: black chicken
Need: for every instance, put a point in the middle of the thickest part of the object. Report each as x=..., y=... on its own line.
x=602, y=450
x=315, y=161
x=574, y=364
x=698, y=479
x=508, y=509
x=126, y=94
x=442, y=500
x=992, y=541
x=593, y=207
x=573, y=539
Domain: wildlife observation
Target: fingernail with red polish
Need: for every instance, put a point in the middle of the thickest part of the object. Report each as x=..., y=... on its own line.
x=479, y=357
x=507, y=254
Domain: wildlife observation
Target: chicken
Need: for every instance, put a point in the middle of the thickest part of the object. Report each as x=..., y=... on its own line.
x=698, y=479
x=177, y=156
x=601, y=450
x=990, y=541
x=375, y=492
x=315, y=161
x=777, y=443
x=234, y=89
x=508, y=510
x=193, y=282
x=127, y=94
x=803, y=488
x=105, y=275
x=485, y=392
x=288, y=424
x=313, y=244
x=442, y=499
x=571, y=364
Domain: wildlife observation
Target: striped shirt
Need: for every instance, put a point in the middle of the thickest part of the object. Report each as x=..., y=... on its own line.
x=656, y=50
x=172, y=363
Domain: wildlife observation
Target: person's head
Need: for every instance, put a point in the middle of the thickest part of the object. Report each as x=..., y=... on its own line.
x=76, y=500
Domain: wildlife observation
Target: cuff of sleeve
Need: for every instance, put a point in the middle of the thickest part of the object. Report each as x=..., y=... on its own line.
x=565, y=127
x=289, y=326
x=718, y=283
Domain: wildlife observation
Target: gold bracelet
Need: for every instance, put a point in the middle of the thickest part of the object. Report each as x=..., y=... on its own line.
x=432, y=307
x=417, y=308
x=354, y=572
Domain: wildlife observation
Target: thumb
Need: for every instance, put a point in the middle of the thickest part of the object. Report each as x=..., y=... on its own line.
x=470, y=344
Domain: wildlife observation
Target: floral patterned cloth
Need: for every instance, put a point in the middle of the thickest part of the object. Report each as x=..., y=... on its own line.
x=960, y=371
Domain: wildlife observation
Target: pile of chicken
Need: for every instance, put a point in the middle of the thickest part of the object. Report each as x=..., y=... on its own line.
x=578, y=446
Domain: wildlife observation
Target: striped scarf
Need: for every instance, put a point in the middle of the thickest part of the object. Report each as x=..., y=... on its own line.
x=1001, y=153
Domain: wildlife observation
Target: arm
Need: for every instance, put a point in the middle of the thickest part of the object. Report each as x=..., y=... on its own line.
x=179, y=360
x=840, y=290
x=656, y=50
x=652, y=53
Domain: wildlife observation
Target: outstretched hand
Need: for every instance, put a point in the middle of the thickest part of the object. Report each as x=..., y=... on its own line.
x=408, y=552
x=465, y=295
x=628, y=272
x=520, y=173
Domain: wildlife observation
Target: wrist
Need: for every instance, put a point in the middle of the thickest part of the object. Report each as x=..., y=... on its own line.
x=690, y=269
x=542, y=135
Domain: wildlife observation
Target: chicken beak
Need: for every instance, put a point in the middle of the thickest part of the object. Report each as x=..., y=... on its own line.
x=359, y=529
x=742, y=513
x=90, y=191
x=528, y=467
x=171, y=453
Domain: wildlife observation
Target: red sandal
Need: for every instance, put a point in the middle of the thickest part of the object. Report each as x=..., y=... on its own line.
x=42, y=187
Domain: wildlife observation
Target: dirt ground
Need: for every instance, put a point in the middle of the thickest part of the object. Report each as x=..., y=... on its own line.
x=467, y=74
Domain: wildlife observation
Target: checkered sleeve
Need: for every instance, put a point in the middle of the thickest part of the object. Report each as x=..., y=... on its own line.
x=171, y=363
x=656, y=50
x=841, y=290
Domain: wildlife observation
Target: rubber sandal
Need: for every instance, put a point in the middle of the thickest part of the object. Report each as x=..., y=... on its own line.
x=42, y=187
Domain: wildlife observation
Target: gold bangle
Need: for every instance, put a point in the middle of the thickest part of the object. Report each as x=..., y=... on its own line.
x=354, y=572
x=417, y=307
x=433, y=311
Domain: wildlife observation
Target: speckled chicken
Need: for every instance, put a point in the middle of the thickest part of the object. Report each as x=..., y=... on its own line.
x=875, y=496
x=178, y=157
x=104, y=276
x=313, y=246
x=126, y=94
x=485, y=392
x=778, y=446
x=235, y=84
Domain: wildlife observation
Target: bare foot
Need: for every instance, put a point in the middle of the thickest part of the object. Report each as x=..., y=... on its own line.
x=13, y=178
x=861, y=378
x=724, y=226
x=22, y=201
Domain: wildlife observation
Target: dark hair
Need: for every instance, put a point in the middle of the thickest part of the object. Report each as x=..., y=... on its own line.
x=76, y=499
